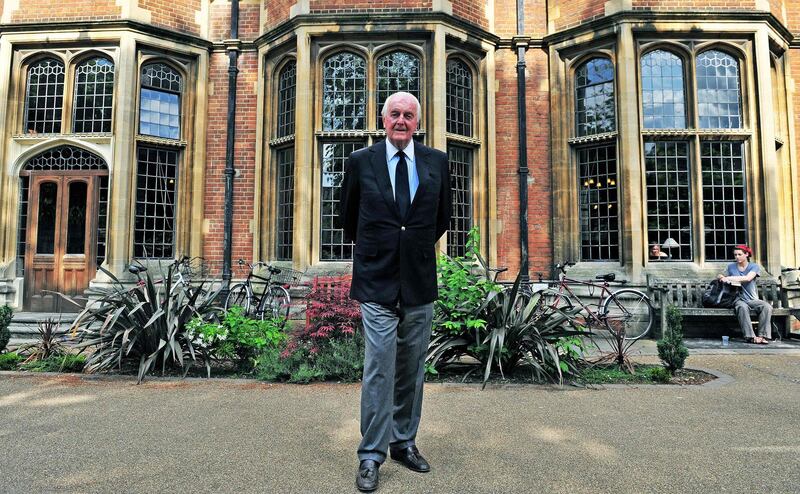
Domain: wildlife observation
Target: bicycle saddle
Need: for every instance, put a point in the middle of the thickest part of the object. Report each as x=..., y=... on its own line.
x=136, y=269
x=606, y=277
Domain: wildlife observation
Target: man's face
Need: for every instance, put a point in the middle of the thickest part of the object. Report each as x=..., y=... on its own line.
x=739, y=255
x=400, y=121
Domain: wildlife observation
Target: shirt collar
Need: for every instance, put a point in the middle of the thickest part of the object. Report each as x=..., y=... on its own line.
x=391, y=150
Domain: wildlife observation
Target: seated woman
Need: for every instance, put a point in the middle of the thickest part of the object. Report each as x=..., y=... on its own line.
x=657, y=253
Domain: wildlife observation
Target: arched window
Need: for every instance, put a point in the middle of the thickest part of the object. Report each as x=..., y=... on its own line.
x=597, y=162
x=94, y=95
x=459, y=115
x=397, y=71
x=344, y=92
x=718, y=94
x=286, y=99
x=44, y=97
x=663, y=100
x=284, y=163
x=594, y=97
x=459, y=98
x=160, y=103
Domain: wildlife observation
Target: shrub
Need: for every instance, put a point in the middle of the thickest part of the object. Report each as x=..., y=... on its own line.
x=329, y=347
x=63, y=363
x=516, y=329
x=48, y=345
x=5, y=320
x=144, y=325
x=671, y=349
x=10, y=360
x=237, y=337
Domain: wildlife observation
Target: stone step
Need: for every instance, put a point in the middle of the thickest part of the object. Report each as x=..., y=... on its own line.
x=24, y=326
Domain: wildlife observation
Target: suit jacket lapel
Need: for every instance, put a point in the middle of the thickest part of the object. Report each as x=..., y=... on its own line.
x=381, y=170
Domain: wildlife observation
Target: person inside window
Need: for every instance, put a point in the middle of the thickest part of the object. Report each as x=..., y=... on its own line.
x=744, y=273
x=657, y=253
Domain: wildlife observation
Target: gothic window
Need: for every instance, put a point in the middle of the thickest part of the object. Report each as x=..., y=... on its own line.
x=44, y=97
x=397, y=71
x=160, y=104
x=94, y=93
x=598, y=204
x=459, y=98
x=344, y=92
x=672, y=193
x=284, y=162
x=459, y=115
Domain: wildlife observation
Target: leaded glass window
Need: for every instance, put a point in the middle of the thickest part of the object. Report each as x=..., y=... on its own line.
x=344, y=92
x=333, y=246
x=718, y=94
x=285, y=204
x=94, y=93
x=102, y=220
x=598, y=197
x=459, y=98
x=156, y=194
x=44, y=99
x=22, y=225
x=594, y=97
x=663, y=100
x=724, y=210
x=669, y=206
x=460, y=159
x=286, y=99
x=397, y=71
x=160, y=105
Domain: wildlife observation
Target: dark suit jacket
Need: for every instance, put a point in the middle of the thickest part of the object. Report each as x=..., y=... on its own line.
x=394, y=257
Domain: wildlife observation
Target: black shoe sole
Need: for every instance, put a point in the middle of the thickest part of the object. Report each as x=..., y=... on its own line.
x=410, y=467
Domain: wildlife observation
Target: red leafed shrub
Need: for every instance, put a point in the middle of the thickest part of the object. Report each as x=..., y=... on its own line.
x=330, y=314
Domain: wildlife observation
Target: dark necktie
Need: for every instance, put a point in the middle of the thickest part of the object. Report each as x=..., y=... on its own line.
x=402, y=196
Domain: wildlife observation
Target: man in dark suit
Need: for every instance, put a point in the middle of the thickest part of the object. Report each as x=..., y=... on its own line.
x=395, y=205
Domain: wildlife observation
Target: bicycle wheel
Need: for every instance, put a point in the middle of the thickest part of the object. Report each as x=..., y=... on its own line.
x=628, y=312
x=239, y=295
x=276, y=302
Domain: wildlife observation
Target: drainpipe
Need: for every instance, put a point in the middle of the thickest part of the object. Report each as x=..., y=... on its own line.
x=521, y=45
x=232, y=47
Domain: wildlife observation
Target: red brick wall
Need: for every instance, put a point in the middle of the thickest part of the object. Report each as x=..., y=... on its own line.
x=173, y=14
x=334, y=6
x=574, y=12
x=471, y=11
x=65, y=10
x=660, y=5
x=539, y=200
x=244, y=157
x=277, y=11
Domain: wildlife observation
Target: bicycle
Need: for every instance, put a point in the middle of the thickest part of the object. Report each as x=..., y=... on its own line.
x=273, y=301
x=627, y=313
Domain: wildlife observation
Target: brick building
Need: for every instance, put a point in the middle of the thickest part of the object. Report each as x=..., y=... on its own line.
x=644, y=121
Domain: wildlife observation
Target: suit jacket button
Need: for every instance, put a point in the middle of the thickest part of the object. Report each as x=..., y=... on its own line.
x=402, y=228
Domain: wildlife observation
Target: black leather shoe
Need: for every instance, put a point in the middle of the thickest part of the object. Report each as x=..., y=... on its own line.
x=411, y=459
x=367, y=478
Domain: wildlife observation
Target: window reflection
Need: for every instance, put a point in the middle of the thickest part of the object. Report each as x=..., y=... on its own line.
x=663, y=102
x=718, y=92
x=344, y=95
x=594, y=97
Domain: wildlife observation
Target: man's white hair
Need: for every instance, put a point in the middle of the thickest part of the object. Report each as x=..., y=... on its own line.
x=397, y=95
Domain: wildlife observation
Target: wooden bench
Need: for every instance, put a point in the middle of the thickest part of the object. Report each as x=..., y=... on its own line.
x=687, y=296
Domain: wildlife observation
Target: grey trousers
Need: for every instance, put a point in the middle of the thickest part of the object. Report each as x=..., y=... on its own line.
x=764, y=311
x=396, y=340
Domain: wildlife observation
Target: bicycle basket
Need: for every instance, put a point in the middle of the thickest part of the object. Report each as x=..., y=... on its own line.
x=287, y=276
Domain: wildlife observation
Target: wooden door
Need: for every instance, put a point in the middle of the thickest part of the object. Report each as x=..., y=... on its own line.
x=61, y=240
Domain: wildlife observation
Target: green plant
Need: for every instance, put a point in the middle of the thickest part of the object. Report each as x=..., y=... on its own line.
x=48, y=345
x=518, y=330
x=464, y=284
x=659, y=374
x=10, y=360
x=342, y=359
x=237, y=336
x=671, y=349
x=56, y=363
x=5, y=320
x=144, y=325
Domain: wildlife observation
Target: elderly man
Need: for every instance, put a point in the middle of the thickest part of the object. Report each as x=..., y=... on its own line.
x=395, y=205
